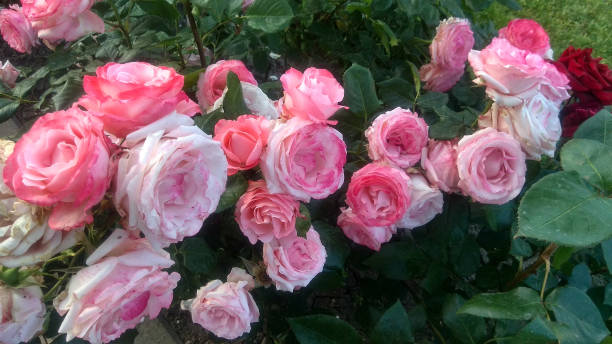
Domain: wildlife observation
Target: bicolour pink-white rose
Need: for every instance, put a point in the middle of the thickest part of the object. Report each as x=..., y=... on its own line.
x=313, y=95
x=527, y=34
x=304, y=159
x=369, y=236
x=255, y=100
x=379, y=194
x=510, y=74
x=169, y=180
x=439, y=161
x=397, y=137
x=17, y=30
x=535, y=125
x=25, y=235
x=246, y=4
x=293, y=262
x=225, y=309
x=128, y=96
x=123, y=284
x=22, y=314
x=66, y=20
x=491, y=166
x=449, y=51
x=243, y=141
x=264, y=216
x=62, y=162
x=213, y=81
x=555, y=85
x=8, y=74
x=425, y=203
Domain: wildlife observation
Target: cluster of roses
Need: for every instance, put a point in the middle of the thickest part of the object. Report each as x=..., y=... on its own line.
x=48, y=20
x=131, y=137
x=591, y=83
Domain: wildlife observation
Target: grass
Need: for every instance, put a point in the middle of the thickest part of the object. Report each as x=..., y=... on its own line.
x=581, y=23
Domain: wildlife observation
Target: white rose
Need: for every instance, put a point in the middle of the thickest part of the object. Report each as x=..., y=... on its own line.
x=535, y=125
x=170, y=180
x=426, y=203
x=22, y=314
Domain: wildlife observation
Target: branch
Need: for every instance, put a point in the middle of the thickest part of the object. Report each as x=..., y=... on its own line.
x=194, y=29
x=543, y=258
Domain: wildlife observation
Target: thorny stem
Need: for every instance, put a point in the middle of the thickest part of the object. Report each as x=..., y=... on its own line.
x=21, y=100
x=194, y=30
x=544, y=256
x=60, y=281
x=121, y=25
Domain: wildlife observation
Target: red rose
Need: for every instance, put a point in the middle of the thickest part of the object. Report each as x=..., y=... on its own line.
x=586, y=74
x=577, y=113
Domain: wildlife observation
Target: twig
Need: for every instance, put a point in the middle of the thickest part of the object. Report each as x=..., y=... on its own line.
x=544, y=256
x=121, y=26
x=194, y=30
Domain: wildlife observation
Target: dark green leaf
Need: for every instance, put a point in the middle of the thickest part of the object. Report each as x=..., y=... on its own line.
x=192, y=78
x=336, y=244
x=26, y=85
x=160, y=8
x=68, y=94
x=606, y=247
x=538, y=331
x=591, y=159
x=302, y=225
x=197, y=255
x=359, y=91
x=466, y=328
x=269, y=15
x=581, y=277
x=574, y=309
x=393, y=327
x=397, y=92
x=237, y=185
x=518, y=304
x=398, y=260
x=323, y=329
x=598, y=128
x=7, y=108
x=432, y=100
x=207, y=122
x=563, y=209
x=511, y=4
x=233, y=103
x=520, y=248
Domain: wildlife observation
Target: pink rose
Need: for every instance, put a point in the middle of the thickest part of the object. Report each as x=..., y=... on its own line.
x=8, y=74
x=62, y=19
x=378, y=194
x=304, y=160
x=527, y=34
x=264, y=216
x=491, y=166
x=169, y=180
x=361, y=234
x=313, y=95
x=511, y=75
x=129, y=96
x=62, y=162
x=439, y=161
x=449, y=51
x=397, y=137
x=293, y=262
x=225, y=309
x=535, y=125
x=22, y=314
x=243, y=141
x=17, y=30
x=246, y=4
x=426, y=203
x=212, y=82
x=555, y=85
x=122, y=284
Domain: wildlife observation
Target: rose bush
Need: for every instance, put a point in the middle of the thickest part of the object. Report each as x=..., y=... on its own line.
x=356, y=185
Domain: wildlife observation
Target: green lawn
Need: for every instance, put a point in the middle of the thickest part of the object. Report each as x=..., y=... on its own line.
x=581, y=23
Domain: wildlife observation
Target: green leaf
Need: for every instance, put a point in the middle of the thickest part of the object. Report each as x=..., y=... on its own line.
x=575, y=309
x=233, y=103
x=68, y=94
x=207, y=122
x=237, y=185
x=26, y=85
x=432, y=100
x=563, y=209
x=518, y=304
x=7, y=108
x=606, y=247
x=466, y=328
x=393, y=327
x=336, y=244
x=598, y=128
x=359, y=91
x=416, y=77
x=269, y=15
x=511, y=4
x=397, y=92
x=591, y=159
x=538, y=331
x=398, y=260
x=160, y=8
x=581, y=277
x=323, y=329
x=192, y=78
x=302, y=225
x=198, y=257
